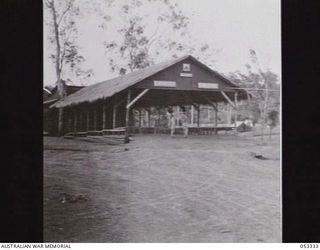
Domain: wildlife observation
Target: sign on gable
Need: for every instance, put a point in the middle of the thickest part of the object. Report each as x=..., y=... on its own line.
x=170, y=84
x=185, y=74
x=208, y=85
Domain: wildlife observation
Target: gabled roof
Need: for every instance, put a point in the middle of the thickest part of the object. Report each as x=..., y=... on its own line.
x=110, y=87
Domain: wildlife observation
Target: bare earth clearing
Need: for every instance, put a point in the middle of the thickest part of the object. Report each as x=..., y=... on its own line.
x=158, y=189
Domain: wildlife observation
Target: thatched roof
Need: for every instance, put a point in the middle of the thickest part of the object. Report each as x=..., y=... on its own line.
x=110, y=87
x=54, y=96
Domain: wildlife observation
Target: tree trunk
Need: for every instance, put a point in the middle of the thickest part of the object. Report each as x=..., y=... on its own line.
x=59, y=83
x=265, y=107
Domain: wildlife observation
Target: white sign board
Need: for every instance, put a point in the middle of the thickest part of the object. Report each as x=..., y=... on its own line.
x=169, y=84
x=186, y=74
x=186, y=67
x=208, y=85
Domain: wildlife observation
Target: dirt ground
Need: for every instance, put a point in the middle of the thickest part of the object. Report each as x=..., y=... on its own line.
x=158, y=189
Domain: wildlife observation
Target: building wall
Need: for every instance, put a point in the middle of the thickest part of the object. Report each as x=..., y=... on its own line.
x=199, y=74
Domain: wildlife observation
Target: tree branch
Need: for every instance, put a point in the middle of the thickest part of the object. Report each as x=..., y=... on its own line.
x=65, y=11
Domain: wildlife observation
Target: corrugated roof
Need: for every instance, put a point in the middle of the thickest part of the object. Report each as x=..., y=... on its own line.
x=110, y=87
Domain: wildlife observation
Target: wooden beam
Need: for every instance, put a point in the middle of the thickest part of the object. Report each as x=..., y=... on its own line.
x=147, y=117
x=88, y=120
x=198, y=117
x=60, y=121
x=236, y=109
x=114, y=116
x=192, y=114
x=95, y=120
x=216, y=119
x=228, y=99
x=137, y=98
x=75, y=121
x=127, y=111
x=104, y=108
x=229, y=114
x=140, y=118
x=178, y=115
x=80, y=121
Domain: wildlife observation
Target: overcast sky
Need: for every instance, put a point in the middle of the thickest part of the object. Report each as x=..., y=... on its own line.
x=232, y=26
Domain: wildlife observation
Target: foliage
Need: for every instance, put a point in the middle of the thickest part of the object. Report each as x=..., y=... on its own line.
x=262, y=85
x=63, y=35
x=144, y=36
x=273, y=118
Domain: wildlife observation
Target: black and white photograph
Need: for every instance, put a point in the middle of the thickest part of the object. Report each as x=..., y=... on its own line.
x=162, y=121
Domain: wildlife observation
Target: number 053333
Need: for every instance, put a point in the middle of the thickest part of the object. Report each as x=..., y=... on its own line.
x=309, y=245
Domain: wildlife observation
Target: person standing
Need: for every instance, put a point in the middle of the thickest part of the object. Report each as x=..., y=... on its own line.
x=184, y=121
x=172, y=122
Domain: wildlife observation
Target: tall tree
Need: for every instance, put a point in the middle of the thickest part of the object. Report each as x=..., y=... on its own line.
x=264, y=87
x=63, y=16
x=62, y=34
x=143, y=36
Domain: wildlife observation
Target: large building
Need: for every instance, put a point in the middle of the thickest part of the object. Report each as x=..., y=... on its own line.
x=180, y=82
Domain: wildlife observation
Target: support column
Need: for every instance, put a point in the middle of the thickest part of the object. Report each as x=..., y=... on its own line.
x=75, y=121
x=229, y=113
x=178, y=115
x=198, y=116
x=216, y=119
x=192, y=114
x=60, y=121
x=114, y=116
x=95, y=120
x=80, y=121
x=88, y=120
x=104, y=108
x=236, y=109
x=156, y=122
x=147, y=117
x=70, y=122
x=128, y=112
x=140, y=116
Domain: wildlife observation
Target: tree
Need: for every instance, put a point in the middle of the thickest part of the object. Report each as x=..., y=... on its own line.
x=262, y=85
x=140, y=32
x=143, y=37
x=63, y=35
x=272, y=120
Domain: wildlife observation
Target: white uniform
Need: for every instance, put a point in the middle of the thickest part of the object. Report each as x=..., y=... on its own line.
x=172, y=123
x=184, y=120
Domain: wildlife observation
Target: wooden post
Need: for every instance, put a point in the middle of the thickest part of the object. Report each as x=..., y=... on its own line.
x=70, y=121
x=95, y=120
x=198, y=116
x=75, y=121
x=128, y=112
x=104, y=108
x=114, y=116
x=80, y=121
x=140, y=116
x=178, y=115
x=147, y=118
x=156, y=122
x=88, y=120
x=192, y=114
x=236, y=110
x=60, y=121
x=216, y=119
x=229, y=114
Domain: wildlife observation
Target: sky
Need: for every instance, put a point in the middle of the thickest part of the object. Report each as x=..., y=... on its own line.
x=233, y=27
